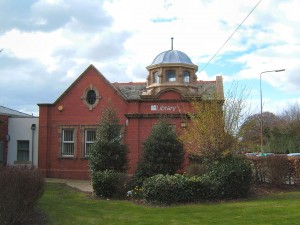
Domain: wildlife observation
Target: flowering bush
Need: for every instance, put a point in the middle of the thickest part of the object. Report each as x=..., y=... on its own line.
x=136, y=192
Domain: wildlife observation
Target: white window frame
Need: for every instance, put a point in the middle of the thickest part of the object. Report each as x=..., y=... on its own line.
x=63, y=142
x=88, y=142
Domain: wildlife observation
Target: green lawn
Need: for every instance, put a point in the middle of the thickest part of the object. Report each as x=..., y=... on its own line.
x=64, y=205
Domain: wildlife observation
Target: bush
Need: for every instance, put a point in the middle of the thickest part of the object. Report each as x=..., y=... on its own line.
x=163, y=153
x=232, y=175
x=109, y=183
x=20, y=190
x=277, y=167
x=294, y=163
x=173, y=189
x=108, y=151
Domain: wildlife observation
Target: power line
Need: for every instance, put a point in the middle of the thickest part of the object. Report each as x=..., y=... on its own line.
x=230, y=36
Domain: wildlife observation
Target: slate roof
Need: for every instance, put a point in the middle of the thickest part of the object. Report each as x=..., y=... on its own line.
x=132, y=90
x=11, y=112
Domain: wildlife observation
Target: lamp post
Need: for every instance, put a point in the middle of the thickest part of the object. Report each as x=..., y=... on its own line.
x=261, y=107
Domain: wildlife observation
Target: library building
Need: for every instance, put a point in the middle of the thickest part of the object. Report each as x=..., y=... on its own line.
x=67, y=127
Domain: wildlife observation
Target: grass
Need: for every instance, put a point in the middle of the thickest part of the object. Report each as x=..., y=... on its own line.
x=64, y=205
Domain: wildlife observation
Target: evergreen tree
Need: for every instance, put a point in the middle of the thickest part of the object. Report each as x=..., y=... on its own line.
x=163, y=152
x=108, y=152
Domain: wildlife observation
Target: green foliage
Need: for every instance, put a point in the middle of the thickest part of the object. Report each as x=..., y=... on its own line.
x=232, y=175
x=109, y=183
x=173, y=189
x=163, y=153
x=108, y=151
x=228, y=178
x=20, y=190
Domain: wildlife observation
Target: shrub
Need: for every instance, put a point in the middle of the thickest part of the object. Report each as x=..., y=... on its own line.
x=277, y=167
x=163, y=153
x=173, y=189
x=295, y=169
x=196, y=169
x=108, y=151
x=109, y=183
x=20, y=190
x=259, y=168
x=232, y=175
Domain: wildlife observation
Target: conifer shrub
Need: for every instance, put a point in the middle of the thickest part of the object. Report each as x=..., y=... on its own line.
x=163, y=153
x=20, y=190
x=108, y=157
x=108, y=151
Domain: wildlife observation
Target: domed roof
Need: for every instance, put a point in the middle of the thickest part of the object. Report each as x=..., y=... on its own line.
x=172, y=56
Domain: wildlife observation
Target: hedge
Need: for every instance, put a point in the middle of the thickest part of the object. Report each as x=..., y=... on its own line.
x=276, y=169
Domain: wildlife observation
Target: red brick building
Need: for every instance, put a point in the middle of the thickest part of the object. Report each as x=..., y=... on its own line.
x=67, y=127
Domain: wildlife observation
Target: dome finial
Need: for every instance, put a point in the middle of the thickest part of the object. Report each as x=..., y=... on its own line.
x=172, y=43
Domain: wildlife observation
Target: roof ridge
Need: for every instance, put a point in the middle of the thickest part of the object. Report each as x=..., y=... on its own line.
x=12, y=111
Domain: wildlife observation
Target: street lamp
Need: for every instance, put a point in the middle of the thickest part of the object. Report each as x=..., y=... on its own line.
x=261, y=108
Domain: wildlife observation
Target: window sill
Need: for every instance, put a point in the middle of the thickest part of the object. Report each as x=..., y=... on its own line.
x=22, y=162
x=67, y=157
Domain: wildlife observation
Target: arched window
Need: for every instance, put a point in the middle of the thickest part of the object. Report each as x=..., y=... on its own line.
x=170, y=75
x=155, y=77
x=186, y=76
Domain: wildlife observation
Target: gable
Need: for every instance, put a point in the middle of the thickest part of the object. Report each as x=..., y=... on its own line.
x=89, y=79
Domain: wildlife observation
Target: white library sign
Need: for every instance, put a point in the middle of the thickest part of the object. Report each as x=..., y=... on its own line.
x=163, y=108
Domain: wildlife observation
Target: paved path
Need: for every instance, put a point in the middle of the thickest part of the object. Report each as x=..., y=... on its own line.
x=83, y=185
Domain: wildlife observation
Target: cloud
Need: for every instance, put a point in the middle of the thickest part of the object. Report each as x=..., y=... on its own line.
x=49, y=43
x=46, y=16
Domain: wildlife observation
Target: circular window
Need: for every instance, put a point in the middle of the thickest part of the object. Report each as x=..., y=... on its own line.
x=91, y=97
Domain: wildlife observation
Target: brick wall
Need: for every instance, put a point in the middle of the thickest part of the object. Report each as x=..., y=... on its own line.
x=3, y=133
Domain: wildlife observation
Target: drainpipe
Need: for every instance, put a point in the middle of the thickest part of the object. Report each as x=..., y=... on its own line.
x=33, y=127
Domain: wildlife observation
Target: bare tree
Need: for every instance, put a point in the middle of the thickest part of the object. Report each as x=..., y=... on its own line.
x=214, y=124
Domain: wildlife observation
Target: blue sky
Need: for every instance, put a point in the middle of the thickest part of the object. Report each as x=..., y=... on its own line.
x=47, y=44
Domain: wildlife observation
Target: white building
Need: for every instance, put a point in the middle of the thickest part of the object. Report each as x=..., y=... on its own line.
x=20, y=146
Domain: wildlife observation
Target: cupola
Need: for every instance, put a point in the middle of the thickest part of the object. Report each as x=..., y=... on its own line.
x=171, y=70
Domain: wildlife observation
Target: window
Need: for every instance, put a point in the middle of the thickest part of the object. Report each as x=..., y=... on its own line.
x=1, y=151
x=91, y=97
x=23, y=151
x=171, y=75
x=186, y=76
x=67, y=143
x=89, y=138
x=155, y=77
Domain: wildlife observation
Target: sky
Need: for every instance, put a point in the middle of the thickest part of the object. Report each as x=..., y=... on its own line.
x=47, y=44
